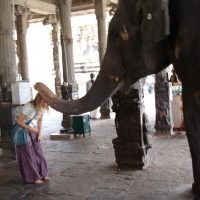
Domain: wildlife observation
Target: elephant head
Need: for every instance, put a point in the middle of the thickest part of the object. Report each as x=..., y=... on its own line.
x=136, y=47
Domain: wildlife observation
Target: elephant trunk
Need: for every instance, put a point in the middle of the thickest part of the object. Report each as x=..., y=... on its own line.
x=103, y=88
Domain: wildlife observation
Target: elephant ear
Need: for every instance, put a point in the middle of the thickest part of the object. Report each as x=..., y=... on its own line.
x=154, y=18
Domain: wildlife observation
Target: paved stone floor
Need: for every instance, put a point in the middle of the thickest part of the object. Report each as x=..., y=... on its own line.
x=85, y=168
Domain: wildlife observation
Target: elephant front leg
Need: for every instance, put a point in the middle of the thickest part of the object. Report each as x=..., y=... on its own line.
x=192, y=125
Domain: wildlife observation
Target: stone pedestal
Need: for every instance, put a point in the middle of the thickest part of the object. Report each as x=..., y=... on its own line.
x=163, y=105
x=129, y=155
x=132, y=144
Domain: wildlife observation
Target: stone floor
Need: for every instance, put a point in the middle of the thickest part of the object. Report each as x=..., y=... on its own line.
x=85, y=168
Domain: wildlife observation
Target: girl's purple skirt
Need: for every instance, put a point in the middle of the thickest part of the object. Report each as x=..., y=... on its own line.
x=31, y=161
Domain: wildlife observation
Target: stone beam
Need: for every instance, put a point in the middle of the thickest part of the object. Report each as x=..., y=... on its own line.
x=37, y=6
x=76, y=7
x=46, y=8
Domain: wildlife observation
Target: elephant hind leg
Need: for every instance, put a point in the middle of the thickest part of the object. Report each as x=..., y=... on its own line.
x=191, y=119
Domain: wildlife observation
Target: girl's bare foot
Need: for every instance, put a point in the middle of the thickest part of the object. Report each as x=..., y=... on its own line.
x=46, y=178
x=38, y=182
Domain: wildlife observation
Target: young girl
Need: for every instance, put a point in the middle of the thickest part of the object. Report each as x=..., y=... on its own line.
x=30, y=158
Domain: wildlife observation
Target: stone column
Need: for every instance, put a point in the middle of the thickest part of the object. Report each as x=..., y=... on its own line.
x=100, y=11
x=163, y=106
x=8, y=75
x=53, y=20
x=22, y=26
x=131, y=123
x=67, y=41
x=69, y=89
x=8, y=69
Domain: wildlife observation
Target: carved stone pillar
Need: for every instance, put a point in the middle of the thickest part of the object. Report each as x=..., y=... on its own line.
x=52, y=19
x=132, y=143
x=22, y=26
x=100, y=11
x=19, y=66
x=67, y=41
x=163, y=106
x=70, y=86
x=8, y=75
x=8, y=70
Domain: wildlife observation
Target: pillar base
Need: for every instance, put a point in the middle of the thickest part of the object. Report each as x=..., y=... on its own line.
x=105, y=113
x=164, y=132
x=130, y=155
x=8, y=151
x=105, y=110
x=66, y=123
x=8, y=155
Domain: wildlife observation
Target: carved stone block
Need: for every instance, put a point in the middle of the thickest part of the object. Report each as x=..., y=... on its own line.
x=131, y=145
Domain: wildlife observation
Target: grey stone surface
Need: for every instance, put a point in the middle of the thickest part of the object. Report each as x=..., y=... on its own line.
x=85, y=168
x=61, y=136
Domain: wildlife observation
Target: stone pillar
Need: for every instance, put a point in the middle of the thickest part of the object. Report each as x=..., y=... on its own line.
x=132, y=143
x=52, y=19
x=8, y=75
x=8, y=69
x=69, y=88
x=100, y=11
x=163, y=106
x=67, y=41
x=22, y=26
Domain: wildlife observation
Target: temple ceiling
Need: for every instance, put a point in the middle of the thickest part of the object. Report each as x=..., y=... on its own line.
x=40, y=8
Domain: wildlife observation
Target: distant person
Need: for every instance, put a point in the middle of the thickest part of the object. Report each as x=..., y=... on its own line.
x=93, y=114
x=150, y=81
x=31, y=161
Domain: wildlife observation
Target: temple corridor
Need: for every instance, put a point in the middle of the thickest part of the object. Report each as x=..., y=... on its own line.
x=85, y=168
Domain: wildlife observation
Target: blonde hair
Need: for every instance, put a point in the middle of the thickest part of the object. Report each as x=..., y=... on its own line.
x=37, y=104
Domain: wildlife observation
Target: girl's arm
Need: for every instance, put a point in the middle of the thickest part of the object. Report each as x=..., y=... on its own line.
x=40, y=128
x=22, y=124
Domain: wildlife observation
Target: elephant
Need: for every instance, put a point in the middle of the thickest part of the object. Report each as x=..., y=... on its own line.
x=145, y=37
